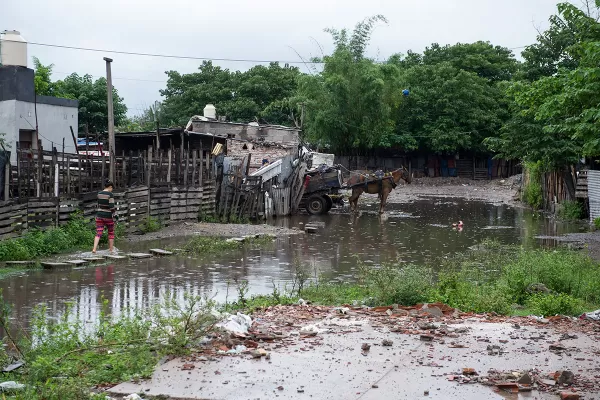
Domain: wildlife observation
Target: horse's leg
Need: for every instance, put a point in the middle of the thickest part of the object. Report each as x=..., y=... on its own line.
x=385, y=192
x=354, y=199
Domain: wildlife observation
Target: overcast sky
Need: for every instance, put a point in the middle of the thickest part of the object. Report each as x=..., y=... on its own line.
x=259, y=29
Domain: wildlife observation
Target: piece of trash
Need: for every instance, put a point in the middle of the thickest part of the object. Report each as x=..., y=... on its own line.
x=594, y=315
x=387, y=342
x=11, y=386
x=302, y=302
x=258, y=353
x=188, y=367
x=469, y=371
x=426, y=338
x=238, y=349
x=342, y=310
x=508, y=387
x=133, y=396
x=238, y=324
x=309, y=330
x=12, y=367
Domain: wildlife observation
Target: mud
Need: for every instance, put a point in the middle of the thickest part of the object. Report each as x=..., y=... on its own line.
x=495, y=191
x=353, y=353
x=211, y=229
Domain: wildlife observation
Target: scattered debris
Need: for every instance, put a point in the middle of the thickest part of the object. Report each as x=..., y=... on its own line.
x=387, y=343
x=11, y=386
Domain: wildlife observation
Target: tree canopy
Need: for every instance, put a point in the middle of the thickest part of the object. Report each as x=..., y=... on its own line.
x=91, y=94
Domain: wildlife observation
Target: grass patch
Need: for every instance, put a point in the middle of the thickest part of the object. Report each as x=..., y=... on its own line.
x=76, y=234
x=65, y=358
x=210, y=244
x=150, y=224
x=493, y=278
x=532, y=191
x=570, y=210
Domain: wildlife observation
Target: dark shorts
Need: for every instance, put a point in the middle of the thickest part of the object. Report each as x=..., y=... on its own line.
x=109, y=223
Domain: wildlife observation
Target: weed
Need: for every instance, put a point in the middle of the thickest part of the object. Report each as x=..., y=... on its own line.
x=397, y=284
x=532, y=192
x=570, y=210
x=151, y=224
x=555, y=304
x=211, y=244
x=597, y=222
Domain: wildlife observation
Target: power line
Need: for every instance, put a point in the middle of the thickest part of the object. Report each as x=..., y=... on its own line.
x=189, y=57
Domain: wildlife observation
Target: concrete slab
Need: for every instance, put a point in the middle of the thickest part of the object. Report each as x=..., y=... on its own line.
x=140, y=255
x=161, y=252
x=93, y=259
x=19, y=263
x=114, y=257
x=51, y=265
x=77, y=262
x=332, y=366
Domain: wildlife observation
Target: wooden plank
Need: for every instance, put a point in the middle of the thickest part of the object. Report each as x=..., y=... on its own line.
x=161, y=252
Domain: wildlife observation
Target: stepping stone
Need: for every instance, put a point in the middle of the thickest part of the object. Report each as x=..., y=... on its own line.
x=140, y=255
x=238, y=240
x=161, y=252
x=50, y=264
x=311, y=229
x=114, y=257
x=77, y=262
x=93, y=259
x=19, y=263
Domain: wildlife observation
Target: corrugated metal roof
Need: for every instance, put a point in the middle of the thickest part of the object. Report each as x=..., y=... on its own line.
x=594, y=193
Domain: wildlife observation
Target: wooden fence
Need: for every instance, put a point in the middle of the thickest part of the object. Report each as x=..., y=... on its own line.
x=41, y=173
x=165, y=203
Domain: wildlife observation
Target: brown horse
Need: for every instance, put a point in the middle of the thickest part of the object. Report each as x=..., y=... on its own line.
x=381, y=187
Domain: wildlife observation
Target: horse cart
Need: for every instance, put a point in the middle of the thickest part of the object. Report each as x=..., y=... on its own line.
x=322, y=190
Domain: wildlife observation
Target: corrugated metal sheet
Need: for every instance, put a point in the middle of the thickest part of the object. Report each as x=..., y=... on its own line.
x=594, y=193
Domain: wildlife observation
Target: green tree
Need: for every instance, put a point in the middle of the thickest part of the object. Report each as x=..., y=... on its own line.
x=93, y=107
x=42, y=78
x=346, y=104
x=257, y=94
x=494, y=63
x=449, y=109
x=551, y=52
x=557, y=118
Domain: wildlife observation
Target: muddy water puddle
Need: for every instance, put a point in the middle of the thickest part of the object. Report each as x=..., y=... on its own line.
x=414, y=232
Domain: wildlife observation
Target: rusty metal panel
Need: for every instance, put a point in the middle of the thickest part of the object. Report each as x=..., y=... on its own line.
x=594, y=193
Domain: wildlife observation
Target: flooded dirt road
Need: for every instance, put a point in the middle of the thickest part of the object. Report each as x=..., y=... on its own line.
x=412, y=232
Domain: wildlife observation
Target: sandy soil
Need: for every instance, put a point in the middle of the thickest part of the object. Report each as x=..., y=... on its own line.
x=496, y=191
x=297, y=352
x=211, y=229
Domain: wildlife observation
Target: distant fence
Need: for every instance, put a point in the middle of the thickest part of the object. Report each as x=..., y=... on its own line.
x=44, y=188
x=134, y=206
x=41, y=173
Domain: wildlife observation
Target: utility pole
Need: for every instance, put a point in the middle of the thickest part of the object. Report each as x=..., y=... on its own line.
x=157, y=125
x=111, y=121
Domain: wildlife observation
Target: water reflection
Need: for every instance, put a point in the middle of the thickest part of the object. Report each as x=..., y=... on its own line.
x=413, y=232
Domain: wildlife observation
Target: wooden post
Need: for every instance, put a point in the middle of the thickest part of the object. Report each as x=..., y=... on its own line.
x=6, y=176
x=187, y=165
x=79, y=172
x=124, y=171
x=201, y=175
x=169, y=166
x=148, y=178
x=473, y=167
x=194, y=167
x=180, y=159
x=38, y=192
x=19, y=171
x=68, y=175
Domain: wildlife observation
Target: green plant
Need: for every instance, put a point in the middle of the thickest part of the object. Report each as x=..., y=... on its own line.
x=555, y=304
x=150, y=224
x=532, y=192
x=396, y=283
x=597, y=222
x=570, y=210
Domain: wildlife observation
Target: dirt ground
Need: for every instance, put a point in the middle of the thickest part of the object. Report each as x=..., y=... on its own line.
x=213, y=229
x=433, y=351
x=498, y=191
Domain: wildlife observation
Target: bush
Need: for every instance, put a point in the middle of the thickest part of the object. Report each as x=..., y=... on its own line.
x=555, y=304
x=570, y=210
x=532, y=192
x=397, y=284
x=151, y=224
x=597, y=222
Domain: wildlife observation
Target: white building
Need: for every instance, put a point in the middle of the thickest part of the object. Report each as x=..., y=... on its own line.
x=21, y=111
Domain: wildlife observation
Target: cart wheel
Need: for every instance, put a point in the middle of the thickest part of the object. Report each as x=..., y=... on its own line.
x=316, y=205
x=328, y=203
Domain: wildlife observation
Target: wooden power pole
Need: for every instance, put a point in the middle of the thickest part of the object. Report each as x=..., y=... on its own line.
x=111, y=121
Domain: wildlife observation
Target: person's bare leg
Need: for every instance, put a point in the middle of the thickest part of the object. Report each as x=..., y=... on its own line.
x=111, y=243
x=96, y=241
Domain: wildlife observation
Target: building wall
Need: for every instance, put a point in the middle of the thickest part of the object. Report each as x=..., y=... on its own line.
x=54, y=123
x=8, y=125
x=237, y=148
x=257, y=134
